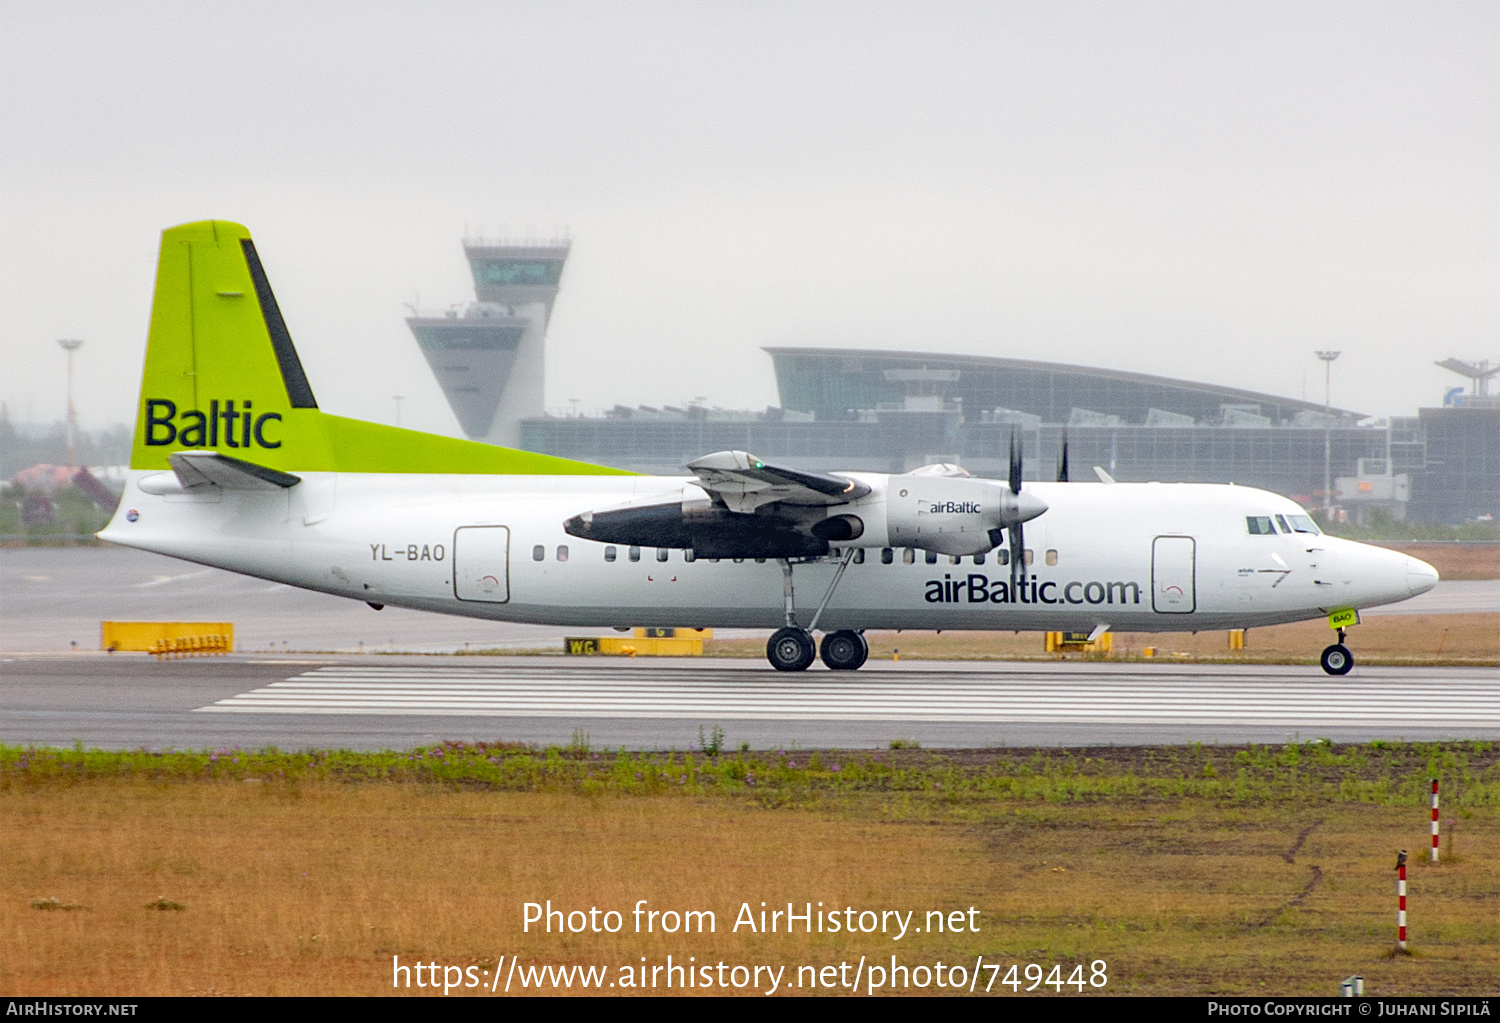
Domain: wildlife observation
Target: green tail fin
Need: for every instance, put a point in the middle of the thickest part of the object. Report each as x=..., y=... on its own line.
x=222, y=374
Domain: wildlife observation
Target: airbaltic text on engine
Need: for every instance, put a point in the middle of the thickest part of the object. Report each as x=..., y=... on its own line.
x=198, y=429
x=981, y=589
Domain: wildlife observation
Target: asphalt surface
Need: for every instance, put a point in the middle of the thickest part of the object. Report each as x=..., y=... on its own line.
x=55, y=688
x=396, y=702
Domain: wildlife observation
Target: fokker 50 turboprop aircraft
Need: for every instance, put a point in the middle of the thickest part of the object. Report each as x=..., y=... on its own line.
x=235, y=466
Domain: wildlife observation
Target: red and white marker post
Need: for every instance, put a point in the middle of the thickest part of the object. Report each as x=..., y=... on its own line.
x=1401, y=913
x=1434, y=820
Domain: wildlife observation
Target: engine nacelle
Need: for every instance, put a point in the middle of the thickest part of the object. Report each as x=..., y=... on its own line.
x=948, y=515
x=690, y=520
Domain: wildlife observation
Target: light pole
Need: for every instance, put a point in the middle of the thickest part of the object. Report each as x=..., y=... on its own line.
x=1327, y=358
x=71, y=345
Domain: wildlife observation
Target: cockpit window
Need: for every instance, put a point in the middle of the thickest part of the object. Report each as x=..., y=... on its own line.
x=1259, y=525
x=1303, y=524
x=1281, y=521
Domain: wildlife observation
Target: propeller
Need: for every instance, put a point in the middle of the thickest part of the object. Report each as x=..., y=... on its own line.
x=1017, y=534
x=1062, y=460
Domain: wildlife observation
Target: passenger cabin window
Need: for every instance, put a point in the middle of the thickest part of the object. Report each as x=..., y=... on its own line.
x=661, y=554
x=538, y=553
x=1052, y=557
x=1002, y=557
x=909, y=556
x=859, y=556
x=954, y=559
x=931, y=558
x=1303, y=524
x=688, y=555
x=635, y=554
x=1259, y=525
x=979, y=559
x=562, y=552
x=1030, y=554
x=887, y=555
x=609, y=554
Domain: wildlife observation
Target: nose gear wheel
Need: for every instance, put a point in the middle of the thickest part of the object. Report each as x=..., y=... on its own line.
x=1337, y=660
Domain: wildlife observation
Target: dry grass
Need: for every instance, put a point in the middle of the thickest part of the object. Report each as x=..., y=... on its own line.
x=312, y=890
x=1459, y=639
x=310, y=887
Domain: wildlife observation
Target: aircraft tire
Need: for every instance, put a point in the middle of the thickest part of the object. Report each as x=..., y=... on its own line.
x=1337, y=660
x=790, y=649
x=845, y=650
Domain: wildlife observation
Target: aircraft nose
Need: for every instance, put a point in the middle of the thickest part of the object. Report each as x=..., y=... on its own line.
x=1420, y=576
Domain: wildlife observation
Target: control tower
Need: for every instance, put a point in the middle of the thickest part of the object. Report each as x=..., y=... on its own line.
x=489, y=357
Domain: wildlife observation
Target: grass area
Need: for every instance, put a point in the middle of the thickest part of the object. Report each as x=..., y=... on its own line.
x=1460, y=639
x=1249, y=870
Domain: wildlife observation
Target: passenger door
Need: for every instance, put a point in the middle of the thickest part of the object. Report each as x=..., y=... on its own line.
x=481, y=563
x=1174, y=573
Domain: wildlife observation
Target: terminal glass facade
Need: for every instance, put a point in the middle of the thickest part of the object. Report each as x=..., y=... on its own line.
x=895, y=411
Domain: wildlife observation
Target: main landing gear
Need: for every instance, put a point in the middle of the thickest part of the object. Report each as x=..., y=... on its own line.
x=1337, y=660
x=791, y=648
x=845, y=650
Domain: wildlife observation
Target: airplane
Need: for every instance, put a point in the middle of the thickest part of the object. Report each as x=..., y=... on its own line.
x=235, y=466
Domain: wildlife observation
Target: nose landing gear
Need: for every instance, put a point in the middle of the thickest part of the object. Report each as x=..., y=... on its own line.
x=1337, y=660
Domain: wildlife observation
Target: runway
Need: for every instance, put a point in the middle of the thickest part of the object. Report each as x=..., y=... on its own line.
x=398, y=702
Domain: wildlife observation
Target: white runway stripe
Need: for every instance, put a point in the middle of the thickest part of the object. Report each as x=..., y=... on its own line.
x=936, y=695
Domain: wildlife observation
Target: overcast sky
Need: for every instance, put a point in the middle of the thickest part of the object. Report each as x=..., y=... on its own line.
x=1204, y=190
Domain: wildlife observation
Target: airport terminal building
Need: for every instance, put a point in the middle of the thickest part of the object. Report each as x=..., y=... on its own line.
x=891, y=411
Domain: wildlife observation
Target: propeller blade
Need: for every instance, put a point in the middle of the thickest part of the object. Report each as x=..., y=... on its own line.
x=1017, y=557
x=1062, y=462
x=1015, y=464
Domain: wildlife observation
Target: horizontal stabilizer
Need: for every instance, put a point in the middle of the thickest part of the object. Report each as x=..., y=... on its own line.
x=210, y=469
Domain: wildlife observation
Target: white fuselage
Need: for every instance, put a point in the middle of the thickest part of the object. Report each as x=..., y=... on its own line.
x=1130, y=556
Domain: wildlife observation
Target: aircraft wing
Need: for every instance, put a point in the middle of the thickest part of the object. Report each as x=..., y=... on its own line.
x=739, y=481
x=211, y=469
